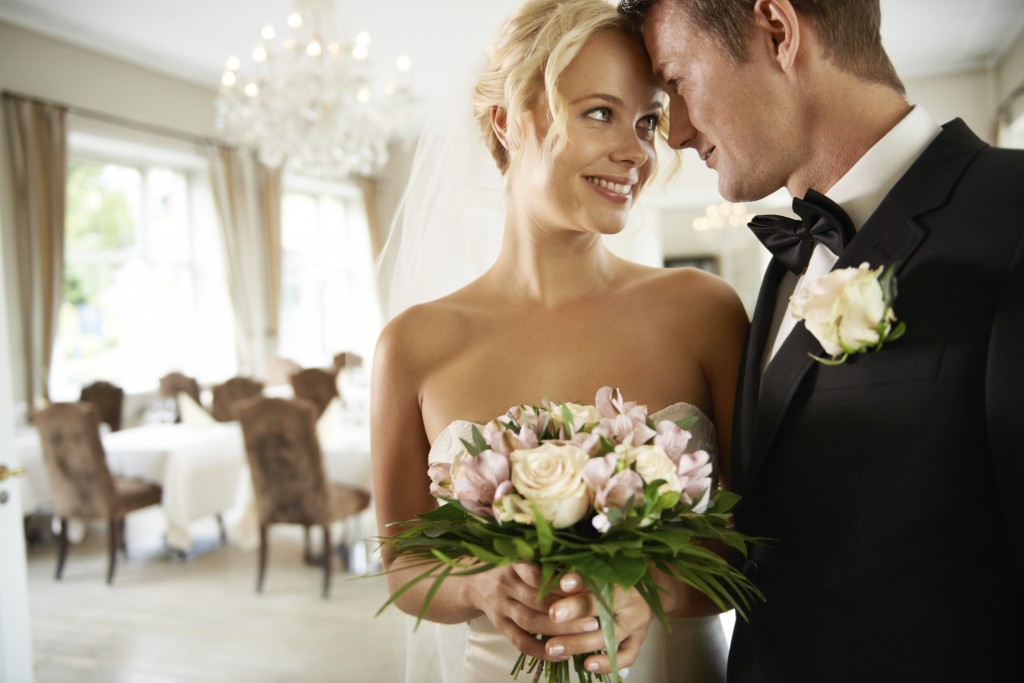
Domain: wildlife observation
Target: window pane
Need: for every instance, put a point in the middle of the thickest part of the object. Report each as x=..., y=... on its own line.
x=167, y=204
x=102, y=206
x=130, y=304
x=329, y=299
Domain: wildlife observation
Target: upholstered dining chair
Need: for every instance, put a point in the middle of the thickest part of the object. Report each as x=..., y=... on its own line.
x=174, y=383
x=108, y=399
x=80, y=480
x=316, y=385
x=288, y=476
x=228, y=394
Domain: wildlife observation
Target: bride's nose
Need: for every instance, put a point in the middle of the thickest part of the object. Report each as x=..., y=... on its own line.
x=631, y=149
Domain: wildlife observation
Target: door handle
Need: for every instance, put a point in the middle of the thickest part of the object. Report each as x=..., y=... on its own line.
x=6, y=473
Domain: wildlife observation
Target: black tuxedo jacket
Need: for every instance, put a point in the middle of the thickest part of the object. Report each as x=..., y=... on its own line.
x=893, y=485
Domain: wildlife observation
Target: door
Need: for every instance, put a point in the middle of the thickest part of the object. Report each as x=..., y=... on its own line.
x=15, y=636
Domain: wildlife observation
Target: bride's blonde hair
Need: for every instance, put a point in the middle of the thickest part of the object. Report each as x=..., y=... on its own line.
x=527, y=56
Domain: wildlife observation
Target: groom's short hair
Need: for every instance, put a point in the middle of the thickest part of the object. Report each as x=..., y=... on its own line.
x=849, y=30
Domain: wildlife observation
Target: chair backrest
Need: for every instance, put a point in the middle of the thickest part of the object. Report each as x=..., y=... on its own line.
x=108, y=399
x=285, y=460
x=75, y=462
x=316, y=385
x=174, y=382
x=227, y=394
x=346, y=359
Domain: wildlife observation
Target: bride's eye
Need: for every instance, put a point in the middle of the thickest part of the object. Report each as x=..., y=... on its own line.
x=648, y=125
x=599, y=114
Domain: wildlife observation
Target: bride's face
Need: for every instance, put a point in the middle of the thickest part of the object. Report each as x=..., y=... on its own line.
x=614, y=106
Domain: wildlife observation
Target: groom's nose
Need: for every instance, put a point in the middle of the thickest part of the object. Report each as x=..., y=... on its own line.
x=681, y=133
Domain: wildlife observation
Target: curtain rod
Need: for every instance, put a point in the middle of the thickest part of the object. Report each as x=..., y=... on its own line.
x=115, y=119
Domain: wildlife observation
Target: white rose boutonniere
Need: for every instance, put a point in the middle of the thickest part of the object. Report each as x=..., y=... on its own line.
x=849, y=311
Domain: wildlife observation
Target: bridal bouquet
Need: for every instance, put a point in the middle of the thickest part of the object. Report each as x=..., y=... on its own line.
x=601, y=490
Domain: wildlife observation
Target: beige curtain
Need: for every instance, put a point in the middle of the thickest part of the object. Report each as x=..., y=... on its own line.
x=37, y=134
x=371, y=202
x=270, y=194
x=248, y=198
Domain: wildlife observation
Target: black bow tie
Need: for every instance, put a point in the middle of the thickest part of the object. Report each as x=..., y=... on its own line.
x=792, y=241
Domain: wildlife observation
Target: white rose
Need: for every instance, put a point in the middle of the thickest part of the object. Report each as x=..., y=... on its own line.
x=847, y=306
x=550, y=477
x=581, y=415
x=652, y=463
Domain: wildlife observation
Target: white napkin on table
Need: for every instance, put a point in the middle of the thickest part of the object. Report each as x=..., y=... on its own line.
x=193, y=414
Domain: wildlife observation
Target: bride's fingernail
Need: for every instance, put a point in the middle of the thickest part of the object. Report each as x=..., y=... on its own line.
x=590, y=625
x=561, y=612
x=592, y=666
x=556, y=650
x=569, y=583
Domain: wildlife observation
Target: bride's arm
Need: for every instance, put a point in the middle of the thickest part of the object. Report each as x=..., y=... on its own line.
x=400, y=447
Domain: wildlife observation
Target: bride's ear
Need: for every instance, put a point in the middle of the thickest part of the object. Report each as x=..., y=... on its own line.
x=499, y=124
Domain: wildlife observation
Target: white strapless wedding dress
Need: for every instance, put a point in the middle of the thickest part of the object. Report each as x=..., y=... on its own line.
x=476, y=652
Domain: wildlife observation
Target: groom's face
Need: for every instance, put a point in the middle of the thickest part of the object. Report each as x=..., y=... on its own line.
x=731, y=114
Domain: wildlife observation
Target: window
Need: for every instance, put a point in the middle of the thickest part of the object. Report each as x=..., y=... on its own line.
x=328, y=299
x=144, y=289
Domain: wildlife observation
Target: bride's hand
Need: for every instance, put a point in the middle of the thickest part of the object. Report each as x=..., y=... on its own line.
x=508, y=598
x=632, y=620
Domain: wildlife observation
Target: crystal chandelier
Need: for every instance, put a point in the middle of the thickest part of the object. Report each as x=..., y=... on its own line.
x=310, y=102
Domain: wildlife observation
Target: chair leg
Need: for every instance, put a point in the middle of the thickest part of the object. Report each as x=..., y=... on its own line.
x=262, y=566
x=123, y=536
x=62, y=548
x=223, y=530
x=113, y=542
x=327, y=561
x=307, y=553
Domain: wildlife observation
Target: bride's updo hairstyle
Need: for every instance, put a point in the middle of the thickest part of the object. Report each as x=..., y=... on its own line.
x=527, y=56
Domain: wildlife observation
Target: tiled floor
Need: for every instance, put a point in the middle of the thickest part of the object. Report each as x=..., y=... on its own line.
x=199, y=619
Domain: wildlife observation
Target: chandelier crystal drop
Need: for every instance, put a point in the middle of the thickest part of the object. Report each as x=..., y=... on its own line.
x=309, y=101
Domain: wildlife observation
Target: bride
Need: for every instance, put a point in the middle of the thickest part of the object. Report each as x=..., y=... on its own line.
x=570, y=113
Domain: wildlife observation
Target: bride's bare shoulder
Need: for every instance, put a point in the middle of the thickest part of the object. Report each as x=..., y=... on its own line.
x=427, y=330
x=676, y=285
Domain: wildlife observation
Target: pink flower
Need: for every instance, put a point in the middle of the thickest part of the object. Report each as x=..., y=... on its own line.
x=672, y=439
x=440, y=474
x=479, y=479
x=622, y=421
x=612, y=489
x=503, y=439
x=695, y=475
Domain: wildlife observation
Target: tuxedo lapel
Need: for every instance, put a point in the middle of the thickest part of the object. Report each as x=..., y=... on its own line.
x=750, y=376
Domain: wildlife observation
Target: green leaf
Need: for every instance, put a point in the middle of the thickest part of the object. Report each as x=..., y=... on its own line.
x=545, y=535
x=687, y=422
x=567, y=420
x=478, y=446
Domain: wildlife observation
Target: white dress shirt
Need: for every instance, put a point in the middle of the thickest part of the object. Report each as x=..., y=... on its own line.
x=859, y=192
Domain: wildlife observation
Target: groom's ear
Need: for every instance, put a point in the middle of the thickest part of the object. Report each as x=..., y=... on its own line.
x=777, y=22
x=499, y=124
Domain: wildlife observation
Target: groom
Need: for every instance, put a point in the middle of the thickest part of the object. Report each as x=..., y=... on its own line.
x=893, y=484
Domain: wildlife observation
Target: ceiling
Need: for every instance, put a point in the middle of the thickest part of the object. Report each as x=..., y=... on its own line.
x=191, y=39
